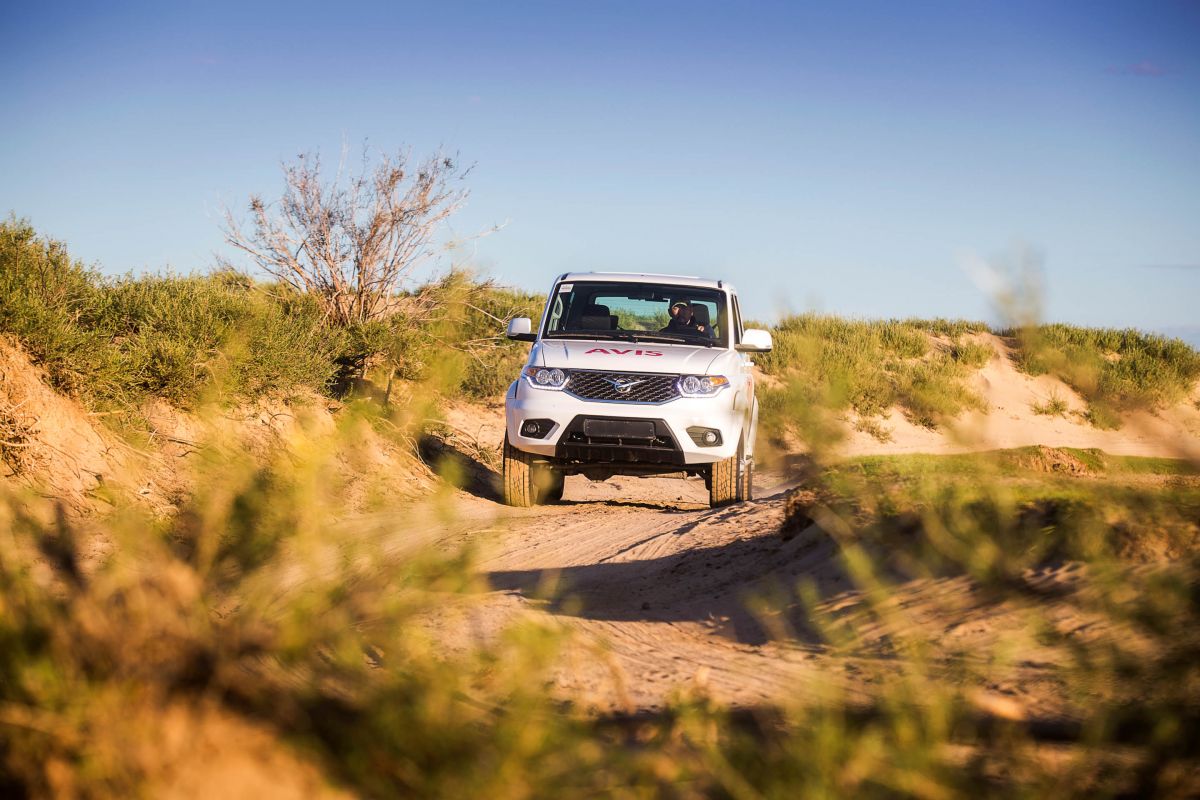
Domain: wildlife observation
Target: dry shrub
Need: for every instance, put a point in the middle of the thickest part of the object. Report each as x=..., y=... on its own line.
x=17, y=437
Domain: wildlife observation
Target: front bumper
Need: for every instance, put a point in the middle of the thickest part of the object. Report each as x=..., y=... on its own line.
x=721, y=412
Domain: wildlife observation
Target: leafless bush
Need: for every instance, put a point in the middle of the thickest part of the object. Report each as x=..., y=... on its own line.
x=352, y=240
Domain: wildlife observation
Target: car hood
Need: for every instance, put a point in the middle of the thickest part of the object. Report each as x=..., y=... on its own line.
x=626, y=356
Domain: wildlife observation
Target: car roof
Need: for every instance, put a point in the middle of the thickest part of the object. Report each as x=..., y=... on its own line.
x=646, y=277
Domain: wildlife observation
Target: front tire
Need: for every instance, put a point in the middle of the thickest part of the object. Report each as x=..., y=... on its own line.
x=526, y=483
x=519, y=488
x=732, y=480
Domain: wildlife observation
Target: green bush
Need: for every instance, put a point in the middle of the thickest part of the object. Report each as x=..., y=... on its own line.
x=1055, y=406
x=179, y=335
x=1115, y=370
x=871, y=366
x=49, y=303
x=114, y=341
x=453, y=330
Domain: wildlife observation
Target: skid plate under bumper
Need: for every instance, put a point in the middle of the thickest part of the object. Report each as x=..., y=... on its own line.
x=618, y=441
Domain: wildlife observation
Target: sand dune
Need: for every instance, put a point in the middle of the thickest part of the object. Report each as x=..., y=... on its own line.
x=1010, y=421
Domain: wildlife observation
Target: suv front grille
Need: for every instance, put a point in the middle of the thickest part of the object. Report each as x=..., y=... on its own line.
x=624, y=387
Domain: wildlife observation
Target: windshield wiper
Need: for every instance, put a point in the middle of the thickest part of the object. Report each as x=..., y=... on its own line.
x=627, y=336
x=683, y=338
x=634, y=336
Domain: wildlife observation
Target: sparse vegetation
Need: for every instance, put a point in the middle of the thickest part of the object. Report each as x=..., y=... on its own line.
x=113, y=342
x=869, y=367
x=918, y=365
x=1054, y=406
x=1114, y=370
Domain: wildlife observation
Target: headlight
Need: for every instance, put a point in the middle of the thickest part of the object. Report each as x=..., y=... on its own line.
x=702, y=385
x=545, y=377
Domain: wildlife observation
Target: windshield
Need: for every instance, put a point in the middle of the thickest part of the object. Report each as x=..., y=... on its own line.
x=638, y=312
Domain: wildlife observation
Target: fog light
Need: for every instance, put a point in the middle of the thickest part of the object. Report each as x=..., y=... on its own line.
x=536, y=428
x=705, y=437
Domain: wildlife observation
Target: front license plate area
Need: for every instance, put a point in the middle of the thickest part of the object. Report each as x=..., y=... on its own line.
x=622, y=429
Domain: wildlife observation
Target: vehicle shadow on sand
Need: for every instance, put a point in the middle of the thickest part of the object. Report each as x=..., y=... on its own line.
x=717, y=585
x=678, y=507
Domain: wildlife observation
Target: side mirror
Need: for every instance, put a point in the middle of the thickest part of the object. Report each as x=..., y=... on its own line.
x=755, y=340
x=521, y=330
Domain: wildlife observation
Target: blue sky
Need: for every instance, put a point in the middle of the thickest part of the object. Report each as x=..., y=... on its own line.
x=849, y=157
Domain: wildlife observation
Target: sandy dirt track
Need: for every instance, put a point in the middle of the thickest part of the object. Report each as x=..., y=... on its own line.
x=657, y=589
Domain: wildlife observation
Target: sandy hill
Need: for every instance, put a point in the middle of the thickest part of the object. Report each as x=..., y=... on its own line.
x=1010, y=421
x=54, y=446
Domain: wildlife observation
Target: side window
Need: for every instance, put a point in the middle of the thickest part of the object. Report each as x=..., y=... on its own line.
x=737, y=319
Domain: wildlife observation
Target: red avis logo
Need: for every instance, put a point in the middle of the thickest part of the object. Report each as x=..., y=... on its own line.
x=613, y=351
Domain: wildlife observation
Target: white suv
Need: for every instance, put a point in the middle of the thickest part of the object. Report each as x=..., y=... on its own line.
x=633, y=375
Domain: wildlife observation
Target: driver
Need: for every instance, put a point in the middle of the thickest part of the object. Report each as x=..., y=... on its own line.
x=683, y=320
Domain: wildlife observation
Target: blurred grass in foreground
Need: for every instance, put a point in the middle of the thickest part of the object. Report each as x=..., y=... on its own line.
x=261, y=598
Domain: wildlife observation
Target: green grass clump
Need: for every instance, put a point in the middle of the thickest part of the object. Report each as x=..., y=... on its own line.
x=948, y=328
x=47, y=301
x=972, y=354
x=1115, y=370
x=176, y=336
x=455, y=326
x=1055, y=406
x=1054, y=503
x=870, y=367
x=114, y=342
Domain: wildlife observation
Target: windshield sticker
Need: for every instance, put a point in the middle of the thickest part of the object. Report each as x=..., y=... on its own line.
x=565, y=287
